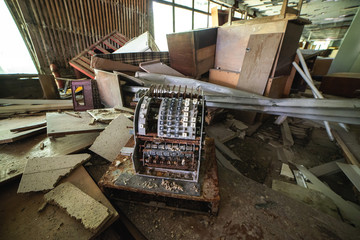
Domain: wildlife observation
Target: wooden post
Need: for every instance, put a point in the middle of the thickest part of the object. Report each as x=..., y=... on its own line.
x=283, y=8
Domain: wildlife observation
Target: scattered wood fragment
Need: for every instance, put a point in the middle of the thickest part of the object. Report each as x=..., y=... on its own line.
x=42, y=174
x=110, y=142
x=352, y=172
x=253, y=128
x=28, y=127
x=14, y=161
x=21, y=219
x=286, y=171
x=286, y=134
x=349, y=145
x=300, y=179
x=127, y=151
x=34, y=108
x=106, y=115
x=59, y=124
x=326, y=168
x=33, y=101
x=79, y=205
x=7, y=137
x=74, y=114
x=223, y=161
x=310, y=197
x=155, y=66
x=280, y=119
x=224, y=148
x=347, y=210
x=221, y=132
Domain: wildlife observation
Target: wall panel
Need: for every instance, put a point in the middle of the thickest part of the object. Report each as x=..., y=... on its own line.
x=55, y=31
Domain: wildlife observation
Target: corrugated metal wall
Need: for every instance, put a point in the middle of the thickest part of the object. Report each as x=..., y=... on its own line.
x=57, y=30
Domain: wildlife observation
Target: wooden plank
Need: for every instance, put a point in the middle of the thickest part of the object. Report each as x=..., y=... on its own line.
x=29, y=126
x=221, y=132
x=110, y=65
x=223, y=161
x=34, y=101
x=286, y=134
x=109, y=143
x=258, y=62
x=286, y=171
x=7, y=137
x=347, y=152
x=85, y=65
x=326, y=168
x=224, y=148
x=103, y=50
x=310, y=197
x=79, y=205
x=232, y=42
x=34, y=108
x=49, y=87
x=352, y=172
x=224, y=78
x=55, y=223
x=155, y=66
x=275, y=87
x=41, y=174
x=107, y=43
x=85, y=59
x=109, y=89
x=347, y=210
x=81, y=69
x=62, y=124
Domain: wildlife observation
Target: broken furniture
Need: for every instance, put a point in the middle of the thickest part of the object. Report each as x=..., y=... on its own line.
x=249, y=53
x=60, y=124
x=143, y=43
x=107, y=44
x=156, y=66
x=192, y=53
x=88, y=98
x=341, y=84
x=128, y=62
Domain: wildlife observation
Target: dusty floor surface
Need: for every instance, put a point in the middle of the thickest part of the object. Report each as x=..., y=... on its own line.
x=249, y=208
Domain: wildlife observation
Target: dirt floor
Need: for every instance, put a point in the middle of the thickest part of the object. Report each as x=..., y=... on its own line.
x=249, y=208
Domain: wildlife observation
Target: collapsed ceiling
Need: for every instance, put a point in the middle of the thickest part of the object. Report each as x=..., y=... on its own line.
x=330, y=18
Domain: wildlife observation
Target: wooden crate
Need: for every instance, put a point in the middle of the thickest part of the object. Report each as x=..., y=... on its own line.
x=106, y=45
x=192, y=53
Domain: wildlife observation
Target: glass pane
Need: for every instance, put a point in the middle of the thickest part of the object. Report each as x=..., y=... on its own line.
x=201, y=5
x=163, y=20
x=183, y=20
x=15, y=57
x=187, y=3
x=214, y=5
x=238, y=15
x=200, y=20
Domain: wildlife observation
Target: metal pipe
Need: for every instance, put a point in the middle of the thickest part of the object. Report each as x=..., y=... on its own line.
x=316, y=95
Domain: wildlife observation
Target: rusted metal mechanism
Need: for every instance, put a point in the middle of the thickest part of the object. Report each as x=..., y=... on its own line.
x=121, y=183
x=168, y=125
